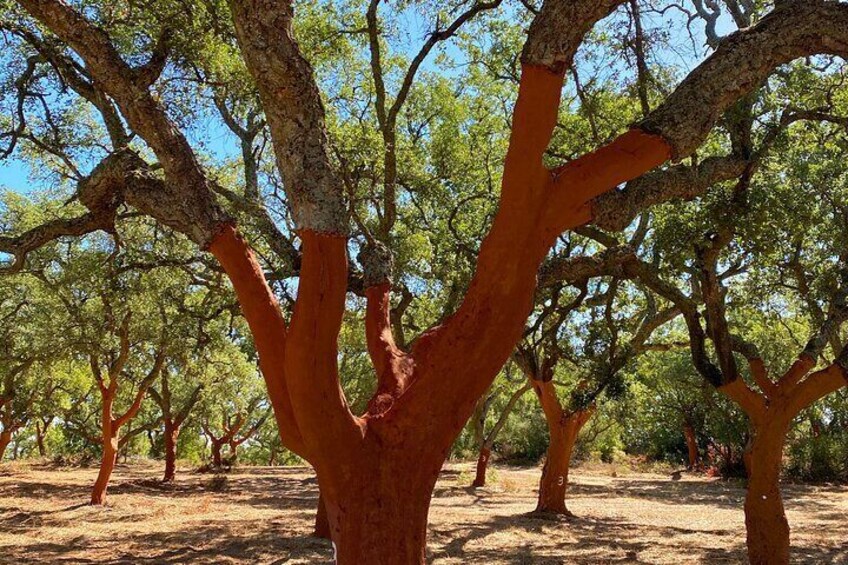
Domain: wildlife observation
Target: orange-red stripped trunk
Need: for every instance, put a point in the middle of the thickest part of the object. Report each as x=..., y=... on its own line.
x=40, y=434
x=554, y=483
x=771, y=413
x=377, y=473
x=380, y=517
x=172, y=433
x=378, y=505
x=107, y=465
x=322, y=523
x=5, y=440
x=109, y=455
x=765, y=518
x=691, y=446
x=267, y=326
x=482, y=465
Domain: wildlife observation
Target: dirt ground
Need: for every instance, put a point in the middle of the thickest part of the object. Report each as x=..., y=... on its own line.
x=264, y=515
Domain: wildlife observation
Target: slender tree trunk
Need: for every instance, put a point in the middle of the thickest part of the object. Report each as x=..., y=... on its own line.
x=172, y=433
x=765, y=519
x=39, y=439
x=217, y=460
x=5, y=440
x=554, y=483
x=482, y=465
x=691, y=446
x=107, y=465
x=109, y=438
x=322, y=523
x=233, y=456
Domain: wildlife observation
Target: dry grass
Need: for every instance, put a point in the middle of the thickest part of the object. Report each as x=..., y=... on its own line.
x=263, y=515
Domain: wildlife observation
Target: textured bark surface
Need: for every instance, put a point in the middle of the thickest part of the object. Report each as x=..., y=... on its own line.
x=558, y=31
x=294, y=112
x=742, y=61
x=615, y=210
x=377, y=264
x=186, y=203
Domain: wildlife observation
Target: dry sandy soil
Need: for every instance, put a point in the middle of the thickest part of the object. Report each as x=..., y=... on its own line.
x=264, y=515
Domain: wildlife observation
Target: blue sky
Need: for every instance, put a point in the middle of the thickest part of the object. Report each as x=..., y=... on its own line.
x=214, y=138
x=13, y=174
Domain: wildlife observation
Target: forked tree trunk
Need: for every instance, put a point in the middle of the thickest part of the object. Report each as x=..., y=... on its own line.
x=765, y=518
x=691, y=446
x=172, y=434
x=5, y=440
x=482, y=465
x=377, y=473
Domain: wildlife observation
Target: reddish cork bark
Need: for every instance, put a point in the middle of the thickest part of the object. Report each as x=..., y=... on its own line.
x=172, y=433
x=376, y=472
x=771, y=413
x=691, y=446
x=482, y=466
x=5, y=440
x=563, y=429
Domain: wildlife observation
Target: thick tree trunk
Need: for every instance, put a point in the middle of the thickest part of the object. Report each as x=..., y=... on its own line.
x=109, y=438
x=482, y=465
x=5, y=440
x=691, y=446
x=765, y=519
x=554, y=483
x=172, y=433
x=322, y=522
x=384, y=521
x=107, y=465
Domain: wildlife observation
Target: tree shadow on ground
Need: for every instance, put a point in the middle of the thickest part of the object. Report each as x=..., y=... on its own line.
x=217, y=542
x=493, y=533
x=584, y=540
